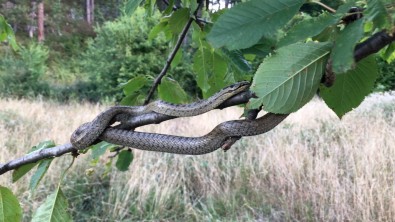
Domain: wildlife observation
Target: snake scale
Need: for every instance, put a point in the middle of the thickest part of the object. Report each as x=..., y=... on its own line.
x=99, y=128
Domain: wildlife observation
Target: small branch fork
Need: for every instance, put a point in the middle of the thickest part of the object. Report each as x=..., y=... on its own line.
x=181, y=38
x=362, y=50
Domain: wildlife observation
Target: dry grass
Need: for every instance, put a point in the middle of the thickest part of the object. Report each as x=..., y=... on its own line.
x=313, y=167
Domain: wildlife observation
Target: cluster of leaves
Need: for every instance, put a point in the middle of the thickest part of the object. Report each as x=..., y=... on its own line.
x=290, y=76
x=295, y=48
x=121, y=52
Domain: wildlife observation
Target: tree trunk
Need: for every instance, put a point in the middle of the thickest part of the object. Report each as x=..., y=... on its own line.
x=92, y=10
x=31, y=27
x=40, y=22
x=90, y=7
x=88, y=11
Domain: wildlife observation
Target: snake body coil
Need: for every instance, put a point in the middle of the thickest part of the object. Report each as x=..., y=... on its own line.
x=193, y=145
x=99, y=128
x=89, y=132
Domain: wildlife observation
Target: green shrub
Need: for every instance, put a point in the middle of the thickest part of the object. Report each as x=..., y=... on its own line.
x=21, y=74
x=122, y=51
x=386, y=80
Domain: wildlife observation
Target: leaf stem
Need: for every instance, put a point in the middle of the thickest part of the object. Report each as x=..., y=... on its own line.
x=324, y=6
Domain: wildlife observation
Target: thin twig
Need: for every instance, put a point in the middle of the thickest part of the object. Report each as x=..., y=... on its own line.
x=175, y=8
x=324, y=6
x=37, y=156
x=171, y=56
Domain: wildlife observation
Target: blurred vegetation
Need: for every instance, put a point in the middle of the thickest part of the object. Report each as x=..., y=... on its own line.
x=87, y=64
x=386, y=80
x=121, y=52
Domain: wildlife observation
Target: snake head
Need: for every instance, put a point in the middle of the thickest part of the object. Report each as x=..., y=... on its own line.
x=81, y=137
x=239, y=86
x=236, y=88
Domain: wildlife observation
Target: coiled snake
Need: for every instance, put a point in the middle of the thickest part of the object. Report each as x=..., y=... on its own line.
x=99, y=128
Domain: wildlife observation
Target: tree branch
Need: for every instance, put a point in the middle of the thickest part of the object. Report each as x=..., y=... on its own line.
x=37, y=156
x=171, y=56
x=362, y=50
x=373, y=44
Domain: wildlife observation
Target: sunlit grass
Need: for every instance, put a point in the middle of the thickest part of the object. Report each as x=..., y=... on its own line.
x=312, y=167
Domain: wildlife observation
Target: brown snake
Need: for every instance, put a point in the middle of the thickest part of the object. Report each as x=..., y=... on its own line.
x=99, y=128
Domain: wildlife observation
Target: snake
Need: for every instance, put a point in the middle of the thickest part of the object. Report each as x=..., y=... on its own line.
x=99, y=128
x=89, y=132
x=193, y=145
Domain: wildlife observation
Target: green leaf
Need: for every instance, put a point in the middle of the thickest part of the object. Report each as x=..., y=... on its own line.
x=134, y=84
x=178, y=20
x=161, y=27
x=169, y=8
x=132, y=99
x=170, y=91
x=125, y=157
x=7, y=34
x=260, y=49
x=237, y=59
x=10, y=210
x=150, y=6
x=246, y=23
x=217, y=76
x=53, y=209
x=343, y=9
x=99, y=149
x=131, y=6
x=201, y=68
x=389, y=54
x=289, y=79
x=350, y=88
x=177, y=59
x=308, y=28
x=343, y=51
x=39, y=174
x=129, y=100
x=377, y=13
x=43, y=145
x=21, y=171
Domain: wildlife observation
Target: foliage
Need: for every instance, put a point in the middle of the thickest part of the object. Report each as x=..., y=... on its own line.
x=6, y=33
x=386, y=80
x=277, y=76
x=54, y=208
x=121, y=52
x=21, y=73
x=359, y=81
x=9, y=205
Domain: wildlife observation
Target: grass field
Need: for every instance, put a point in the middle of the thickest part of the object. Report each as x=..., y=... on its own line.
x=312, y=167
